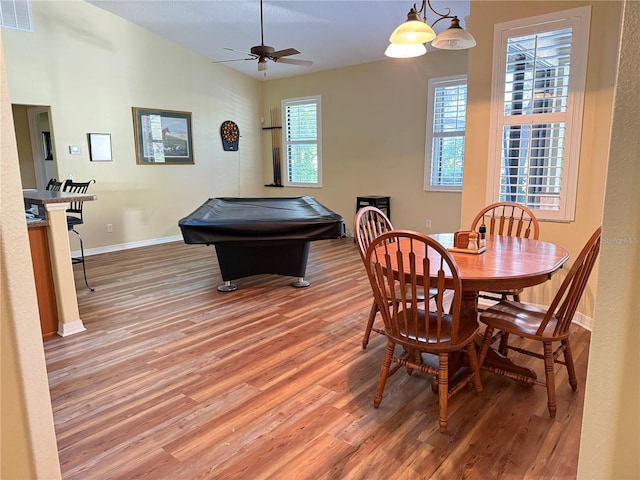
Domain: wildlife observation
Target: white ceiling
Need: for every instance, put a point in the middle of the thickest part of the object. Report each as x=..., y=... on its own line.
x=330, y=33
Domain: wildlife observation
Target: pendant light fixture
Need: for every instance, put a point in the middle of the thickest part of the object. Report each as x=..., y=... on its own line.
x=408, y=39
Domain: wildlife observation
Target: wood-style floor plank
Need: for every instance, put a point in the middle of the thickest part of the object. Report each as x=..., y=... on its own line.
x=175, y=380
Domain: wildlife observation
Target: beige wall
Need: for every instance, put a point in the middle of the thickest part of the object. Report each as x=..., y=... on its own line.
x=611, y=426
x=601, y=74
x=373, y=137
x=23, y=139
x=27, y=437
x=92, y=67
x=99, y=99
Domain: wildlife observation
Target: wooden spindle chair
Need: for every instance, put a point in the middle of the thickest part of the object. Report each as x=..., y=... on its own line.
x=513, y=220
x=395, y=262
x=370, y=222
x=508, y=218
x=547, y=326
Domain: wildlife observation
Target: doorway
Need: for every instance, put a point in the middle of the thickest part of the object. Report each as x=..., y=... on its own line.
x=36, y=145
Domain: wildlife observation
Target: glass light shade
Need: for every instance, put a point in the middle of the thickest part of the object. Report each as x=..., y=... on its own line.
x=454, y=38
x=405, y=50
x=413, y=32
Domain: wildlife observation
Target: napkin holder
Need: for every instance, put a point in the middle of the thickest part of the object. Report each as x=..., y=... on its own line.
x=467, y=241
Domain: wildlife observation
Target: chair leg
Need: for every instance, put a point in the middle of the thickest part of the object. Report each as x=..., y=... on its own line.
x=568, y=359
x=504, y=341
x=384, y=373
x=443, y=389
x=372, y=317
x=413, y=357
x=81, y=259
x=486, y=343
x=549, y=373
x=475, y=367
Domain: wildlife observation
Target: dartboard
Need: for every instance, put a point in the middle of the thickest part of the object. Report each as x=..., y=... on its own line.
x=230, y=134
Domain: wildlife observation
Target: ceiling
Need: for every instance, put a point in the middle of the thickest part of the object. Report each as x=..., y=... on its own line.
x=332, y=34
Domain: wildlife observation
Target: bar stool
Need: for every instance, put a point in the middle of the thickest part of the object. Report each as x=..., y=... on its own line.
x=381, y=202
x=74, y=218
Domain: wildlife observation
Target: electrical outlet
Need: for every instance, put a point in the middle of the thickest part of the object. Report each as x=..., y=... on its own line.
x=109, y=228
x=428, y=223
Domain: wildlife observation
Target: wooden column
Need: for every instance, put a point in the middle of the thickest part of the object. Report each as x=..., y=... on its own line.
x=69, y=321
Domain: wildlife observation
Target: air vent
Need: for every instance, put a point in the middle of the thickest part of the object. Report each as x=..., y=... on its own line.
x=16, y=14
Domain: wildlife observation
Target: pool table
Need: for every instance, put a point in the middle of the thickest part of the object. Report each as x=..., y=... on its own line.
x=261, y=235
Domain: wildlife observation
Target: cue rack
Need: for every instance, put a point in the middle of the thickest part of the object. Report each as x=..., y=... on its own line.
x=275, y=147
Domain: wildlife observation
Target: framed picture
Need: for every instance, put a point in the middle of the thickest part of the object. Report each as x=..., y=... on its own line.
x=100, y=147
x=162, y=137
x=46, y=146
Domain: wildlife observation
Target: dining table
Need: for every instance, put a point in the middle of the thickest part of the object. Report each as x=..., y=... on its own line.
x=507, y=263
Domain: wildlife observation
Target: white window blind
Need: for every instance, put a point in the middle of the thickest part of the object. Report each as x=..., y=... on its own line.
x=540, y=74
x=301, y=121
x=446, y=122
x=16, y=14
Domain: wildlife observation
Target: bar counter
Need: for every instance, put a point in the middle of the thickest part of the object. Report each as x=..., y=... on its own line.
x=51, y=215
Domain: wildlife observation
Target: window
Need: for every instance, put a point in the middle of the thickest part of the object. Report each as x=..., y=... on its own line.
x=16, y=14
x=301, y=122
x=446, y=119
x=538, y=94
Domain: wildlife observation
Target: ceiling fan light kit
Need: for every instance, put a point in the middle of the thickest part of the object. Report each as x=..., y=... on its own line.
x=416, y=31
x=263, y=53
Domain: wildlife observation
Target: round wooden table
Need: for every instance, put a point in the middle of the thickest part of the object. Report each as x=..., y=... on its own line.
x=508, y=263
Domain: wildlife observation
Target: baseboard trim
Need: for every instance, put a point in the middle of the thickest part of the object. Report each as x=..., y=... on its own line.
x=126, y=246
x=583, y=320
x=66, y=329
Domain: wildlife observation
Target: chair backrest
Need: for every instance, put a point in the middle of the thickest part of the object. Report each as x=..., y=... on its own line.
x=369, y=223
x=508, y=218
x=76, y=187
x=395, y=262
x=568, y=296
x=54, y=185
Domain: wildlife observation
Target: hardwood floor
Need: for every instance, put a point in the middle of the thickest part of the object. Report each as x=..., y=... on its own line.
x=175, y=380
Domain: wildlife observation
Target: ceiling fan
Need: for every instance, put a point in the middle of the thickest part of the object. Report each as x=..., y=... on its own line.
x=264, y=53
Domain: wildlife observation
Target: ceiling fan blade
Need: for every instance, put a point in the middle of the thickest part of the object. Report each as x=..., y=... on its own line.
x=237, y=51
x=294, y=61
x=263, y=53
x=234, y=60
x=285, y=52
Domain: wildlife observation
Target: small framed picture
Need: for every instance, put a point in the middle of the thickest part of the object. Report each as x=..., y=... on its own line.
x=162, y=137
x=100, y=147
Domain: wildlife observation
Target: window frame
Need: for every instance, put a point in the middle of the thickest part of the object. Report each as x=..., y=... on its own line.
x=433, y=84
x=579, y=20
x=311, y=99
